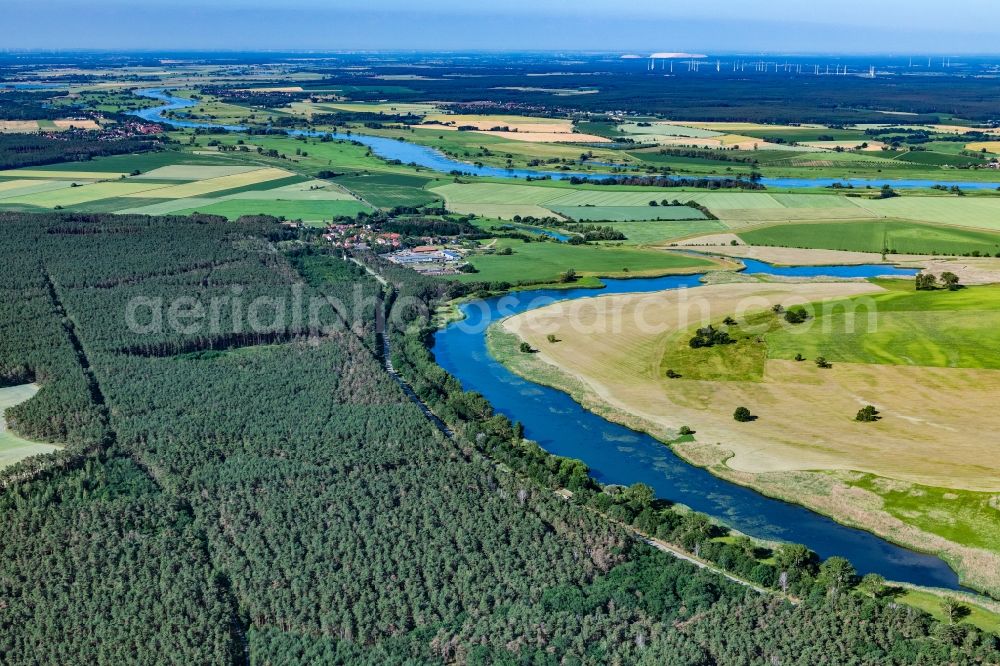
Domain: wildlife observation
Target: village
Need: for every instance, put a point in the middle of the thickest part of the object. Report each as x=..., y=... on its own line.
x=431, y=257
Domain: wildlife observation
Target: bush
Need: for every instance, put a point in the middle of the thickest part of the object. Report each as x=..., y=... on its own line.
x=867, y=414
x=796, y=315
x=709, y=337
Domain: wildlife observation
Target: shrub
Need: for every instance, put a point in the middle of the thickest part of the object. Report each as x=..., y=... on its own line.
x=796, y=315
x=867, y=414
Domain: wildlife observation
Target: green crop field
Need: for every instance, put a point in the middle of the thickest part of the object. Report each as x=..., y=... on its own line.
x=658, y=232
x=292, y=210
x=947, y=329
x=933, y=158
x=628, y=213
x=898, y=236
x=388, y=190
x=978, y=212
x=498, y=193
x=541, y=261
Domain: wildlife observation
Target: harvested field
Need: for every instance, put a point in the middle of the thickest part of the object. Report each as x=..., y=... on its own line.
x=988, y=146
x=513, y=123
x=189, y=172
x=86, y=124
x=927, y=412
x=548, y=137
x=18, y=126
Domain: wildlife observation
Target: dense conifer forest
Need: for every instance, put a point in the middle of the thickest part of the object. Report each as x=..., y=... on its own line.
x=266, y=493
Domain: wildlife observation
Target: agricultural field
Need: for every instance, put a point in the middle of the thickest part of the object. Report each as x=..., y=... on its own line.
x=12, y=447
x=176, y=183
x=23, y=126
x=972, y=212
x=627, y=213
x=895, y=236
x=940, y=329
x=736, y=209
x=926, y=360
x=388, y=190
x=547, y=261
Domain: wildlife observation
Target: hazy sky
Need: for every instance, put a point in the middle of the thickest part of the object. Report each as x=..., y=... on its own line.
x=866, y=26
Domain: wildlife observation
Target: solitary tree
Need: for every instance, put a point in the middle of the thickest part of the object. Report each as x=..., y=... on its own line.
x=568, y=276
x=950, y=281
x=837, y=574
x=925, y=282
x=953, y=609
x=743, y=415
x=867, y=414
x=526, y=348
x=821, y=362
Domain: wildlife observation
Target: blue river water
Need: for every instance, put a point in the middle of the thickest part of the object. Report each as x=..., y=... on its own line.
x=616, y=454
x=429, y=158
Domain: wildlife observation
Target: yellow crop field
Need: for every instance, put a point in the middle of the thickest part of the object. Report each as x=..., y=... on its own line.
x=988, y=146
x=193, y=172
x=69, y=196
x=60, y=175
x=86, y=123
x=514, y=123
x=15, y=184
x=18, y=126
x=549, y=137
x=201, y=187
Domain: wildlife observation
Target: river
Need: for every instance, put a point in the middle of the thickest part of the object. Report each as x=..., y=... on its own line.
x=408, y=152
x=616, y=454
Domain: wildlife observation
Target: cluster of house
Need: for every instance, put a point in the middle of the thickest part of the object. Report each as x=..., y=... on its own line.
x=362, y=237
x=427, y=259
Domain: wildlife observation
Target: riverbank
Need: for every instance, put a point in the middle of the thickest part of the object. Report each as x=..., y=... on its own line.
x=821, y=492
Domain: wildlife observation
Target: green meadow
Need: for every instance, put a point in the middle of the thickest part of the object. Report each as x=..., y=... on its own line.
x=948, y=329
x=546, y=261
